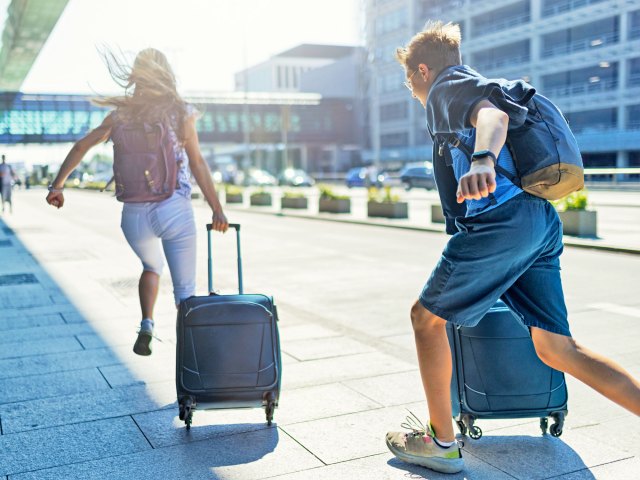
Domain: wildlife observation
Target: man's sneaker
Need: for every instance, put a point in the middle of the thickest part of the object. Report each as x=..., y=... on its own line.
x=419, y=447
x=143, y=342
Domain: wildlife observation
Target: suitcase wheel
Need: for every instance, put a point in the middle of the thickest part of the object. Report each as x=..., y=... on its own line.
x=462, y=427
x=544, y=424
x=556, y=428
x=475, y=432
x=186, y=411
x=270, y=407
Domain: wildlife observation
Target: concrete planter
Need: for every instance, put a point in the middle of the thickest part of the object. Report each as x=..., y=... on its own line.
x=581, y=223
x=294, y=202
x=195, y=195
x=332, y=205
x=436, y=213
x=260, y=199
x=233, y=198
x=388, y=209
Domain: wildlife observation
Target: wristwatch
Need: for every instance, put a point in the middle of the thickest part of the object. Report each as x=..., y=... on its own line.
x=52, y=189
x=484, y=154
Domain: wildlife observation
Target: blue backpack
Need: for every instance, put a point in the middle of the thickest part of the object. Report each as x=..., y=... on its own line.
x=544, y=150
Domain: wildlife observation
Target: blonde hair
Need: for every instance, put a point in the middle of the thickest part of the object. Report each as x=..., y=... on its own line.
x=437, y=46
x=150, y=90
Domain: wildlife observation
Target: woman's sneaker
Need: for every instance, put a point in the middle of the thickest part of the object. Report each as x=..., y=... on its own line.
x=420, y=447
x=145, y=335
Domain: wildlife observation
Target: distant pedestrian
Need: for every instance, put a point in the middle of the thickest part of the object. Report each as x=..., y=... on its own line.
x=152, y=116
x=506, y=242
x=7, y=176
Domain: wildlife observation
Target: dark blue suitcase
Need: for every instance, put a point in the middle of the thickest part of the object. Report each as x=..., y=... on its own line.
x=497, y=374
x=228, y=350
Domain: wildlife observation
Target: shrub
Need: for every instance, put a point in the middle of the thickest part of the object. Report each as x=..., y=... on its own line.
x=232, y=189
x=327, y=194
x=293, y=195
x=382, y=197
x=573, y=201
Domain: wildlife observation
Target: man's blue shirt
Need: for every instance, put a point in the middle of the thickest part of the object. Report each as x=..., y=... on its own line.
x=505, y=189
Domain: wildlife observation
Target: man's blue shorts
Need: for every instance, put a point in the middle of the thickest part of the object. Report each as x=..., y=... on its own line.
x=510, y=252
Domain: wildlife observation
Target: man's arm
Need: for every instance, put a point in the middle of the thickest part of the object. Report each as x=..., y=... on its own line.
x=491, y=126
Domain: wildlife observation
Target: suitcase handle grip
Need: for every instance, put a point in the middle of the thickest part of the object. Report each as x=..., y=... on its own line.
x=236, y=227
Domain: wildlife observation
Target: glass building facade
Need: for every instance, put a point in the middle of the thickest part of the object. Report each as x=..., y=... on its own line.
x=582, y=54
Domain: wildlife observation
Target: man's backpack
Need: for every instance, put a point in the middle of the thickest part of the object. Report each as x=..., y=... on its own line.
x=544, y=150
x=144, y=162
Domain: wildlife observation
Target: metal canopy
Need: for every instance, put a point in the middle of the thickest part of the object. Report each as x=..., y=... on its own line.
x=27, y=27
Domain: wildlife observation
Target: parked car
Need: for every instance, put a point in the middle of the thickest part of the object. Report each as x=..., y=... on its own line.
x=364, y=177
x=294, y=177
x=256, y=177
x=418, y=175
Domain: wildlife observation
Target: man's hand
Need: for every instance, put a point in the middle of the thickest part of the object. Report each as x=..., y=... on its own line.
x=56, y=199
x=478, y=182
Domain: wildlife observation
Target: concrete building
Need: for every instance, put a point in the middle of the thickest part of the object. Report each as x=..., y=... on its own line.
x=583, y=54
x=335, y=74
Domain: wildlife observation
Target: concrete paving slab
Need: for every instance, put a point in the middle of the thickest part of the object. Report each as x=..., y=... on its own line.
x=305, y=331
x=625, y=428
x=524, y=453
x=31, y=451
x=27, y=335
x=390, y=390
x=149, y=372
x=82, y=407
x=24, y=296
x=386, y=467
x=318, y=348
x=10, y=314
x=351, y=436
x=56, y=362
x=39, y=347
x=331, y=370
x=621, y=470
x=163, y=428
x=312, y=403
x=30, y=321
x=239, y=457
x=50, y=385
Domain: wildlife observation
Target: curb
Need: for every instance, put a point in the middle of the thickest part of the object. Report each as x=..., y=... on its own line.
x=568, y=241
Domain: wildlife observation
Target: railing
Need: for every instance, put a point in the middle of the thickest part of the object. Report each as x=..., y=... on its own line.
x=580, y=89
x=562, y=7
x=582, y=45
x=613, y=175
x=480, y=30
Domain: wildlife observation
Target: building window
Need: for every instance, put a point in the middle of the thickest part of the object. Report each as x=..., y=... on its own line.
x=501, y=19
x=503, y=56
x=633, y=117
x=634, y=25
x=431, y=9
x=391, y=21
x=394, y=140
x=599, y=160
x=582, y=38
x=634, y=73
x=593, y=120
x=557, y=7
x=595, y=79
x=394, y=111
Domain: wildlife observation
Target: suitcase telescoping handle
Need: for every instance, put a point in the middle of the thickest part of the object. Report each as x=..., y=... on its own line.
x=235, y=226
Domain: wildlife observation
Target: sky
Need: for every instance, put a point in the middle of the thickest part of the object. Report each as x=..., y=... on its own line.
x=206, y=41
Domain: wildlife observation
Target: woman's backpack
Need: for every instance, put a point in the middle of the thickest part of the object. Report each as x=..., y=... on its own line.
x=144, y=162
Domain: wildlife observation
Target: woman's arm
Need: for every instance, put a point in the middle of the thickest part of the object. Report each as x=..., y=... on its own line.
x=74, y=157
x=200, y=171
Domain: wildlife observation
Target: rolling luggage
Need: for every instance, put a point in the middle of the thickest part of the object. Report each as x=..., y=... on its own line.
x=228, y=350
x=497, y=374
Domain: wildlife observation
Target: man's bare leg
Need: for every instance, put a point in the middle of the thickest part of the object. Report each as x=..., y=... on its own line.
x=600, y=373
x=434, y=359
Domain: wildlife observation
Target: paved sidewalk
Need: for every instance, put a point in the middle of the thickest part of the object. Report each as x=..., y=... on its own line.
x=75, y=402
